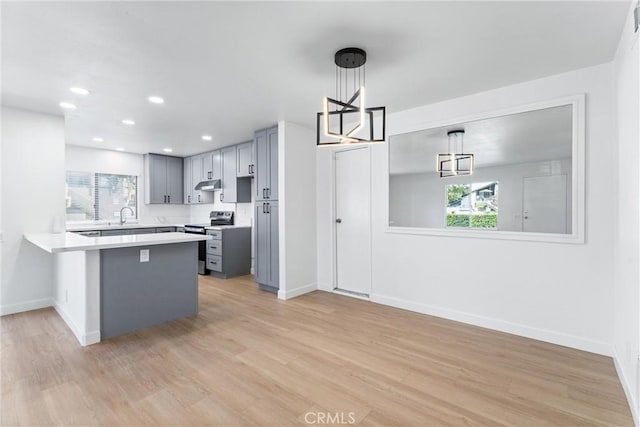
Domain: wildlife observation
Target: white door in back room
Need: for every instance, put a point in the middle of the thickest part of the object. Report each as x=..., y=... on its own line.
x=353, y=221
x=544, y=207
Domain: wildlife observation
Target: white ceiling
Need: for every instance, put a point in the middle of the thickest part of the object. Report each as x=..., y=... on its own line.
x=534, y=136
x=228, y=68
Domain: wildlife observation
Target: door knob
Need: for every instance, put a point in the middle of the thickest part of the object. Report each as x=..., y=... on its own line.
x=339, y=220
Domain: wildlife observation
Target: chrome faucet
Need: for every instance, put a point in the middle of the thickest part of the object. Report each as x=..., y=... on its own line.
x=123, y=219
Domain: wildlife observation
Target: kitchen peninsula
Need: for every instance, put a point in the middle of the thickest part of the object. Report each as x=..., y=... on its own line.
x=111, y=285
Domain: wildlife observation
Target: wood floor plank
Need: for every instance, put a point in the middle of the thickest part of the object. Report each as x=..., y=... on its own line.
x=248, y=358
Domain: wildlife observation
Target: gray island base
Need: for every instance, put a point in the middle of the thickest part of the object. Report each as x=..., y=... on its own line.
x=112, y=285
x=135, y=295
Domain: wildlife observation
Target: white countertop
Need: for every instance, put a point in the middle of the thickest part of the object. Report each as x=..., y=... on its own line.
x=116, y=226
x=223, y=227
x=68, y=242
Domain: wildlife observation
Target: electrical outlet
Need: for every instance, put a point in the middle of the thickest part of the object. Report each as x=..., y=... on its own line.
x=144, y=255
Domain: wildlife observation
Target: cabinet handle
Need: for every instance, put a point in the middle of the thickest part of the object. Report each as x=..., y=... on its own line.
x=264, y=208
x=198, y=198
x=264, y=190
x=269, y=192
x=268, y=208
x=169, y=199
x=165, y=199
x=249, y=169
x=189, y=198
x=221, y=196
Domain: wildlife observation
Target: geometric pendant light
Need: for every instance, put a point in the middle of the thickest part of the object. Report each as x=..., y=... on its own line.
x=346, y=119
x=455, y=162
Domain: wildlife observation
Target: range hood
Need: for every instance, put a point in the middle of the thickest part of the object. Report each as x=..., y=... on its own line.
x=210, y=185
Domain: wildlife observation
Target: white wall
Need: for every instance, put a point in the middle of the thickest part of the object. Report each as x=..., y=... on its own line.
x=297, y=209
x=418, y=199
x=85, y=159
x=550, y=291
x=33, y=194
x=626, y=314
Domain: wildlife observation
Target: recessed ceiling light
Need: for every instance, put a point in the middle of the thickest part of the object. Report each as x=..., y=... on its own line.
x=128, y=122
x=97, y=139
x=207, y=137
x=67, y=105
x=79, y=91
x=119, y=149
x=156, y=100
x=168, y=150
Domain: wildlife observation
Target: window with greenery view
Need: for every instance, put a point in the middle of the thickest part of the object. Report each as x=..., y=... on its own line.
x=99, y=196
x=472, y=205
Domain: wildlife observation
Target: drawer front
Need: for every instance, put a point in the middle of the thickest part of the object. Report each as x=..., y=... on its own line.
x=215, y=234
x=165, y=229
x=214, y=247
x=214, y=262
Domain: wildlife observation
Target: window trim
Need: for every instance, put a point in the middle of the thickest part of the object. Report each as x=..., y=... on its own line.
x=578, y=165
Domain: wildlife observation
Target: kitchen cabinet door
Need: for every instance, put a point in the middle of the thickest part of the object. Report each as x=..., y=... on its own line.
x=174, y=180
x=211, y=166
x=196, y=177
x=216, y=168
x=156, y=176
x=187, y=187
x=229, y=179
x=262, y=164
x=245, y=159
x=272, y=142
x=262, y=248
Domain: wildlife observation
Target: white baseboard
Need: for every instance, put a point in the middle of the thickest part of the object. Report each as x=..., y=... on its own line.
x=25, y=306
x=84, y=338
x=553, y=337
x=627, y=389
x=296, y=292
x=325, y=287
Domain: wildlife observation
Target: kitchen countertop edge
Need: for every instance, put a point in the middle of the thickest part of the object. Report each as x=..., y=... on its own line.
x=70, y=242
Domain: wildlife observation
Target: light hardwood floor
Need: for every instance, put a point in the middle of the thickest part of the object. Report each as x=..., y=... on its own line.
x=250, y=359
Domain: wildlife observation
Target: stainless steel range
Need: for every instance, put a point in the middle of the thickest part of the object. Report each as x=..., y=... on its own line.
x=215, y=218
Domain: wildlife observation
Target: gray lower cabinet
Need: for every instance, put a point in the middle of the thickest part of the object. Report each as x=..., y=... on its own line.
x=234, y=189
x=163, y=179
x=267, y=248
x=229, y=252
x=266, y=166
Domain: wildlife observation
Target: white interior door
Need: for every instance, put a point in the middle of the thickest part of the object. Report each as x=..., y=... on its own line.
x=353, y=220
x=544, y=208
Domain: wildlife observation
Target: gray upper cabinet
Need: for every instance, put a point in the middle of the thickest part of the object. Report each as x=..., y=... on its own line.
x=174, y=180
x=163, y=179
x=212, y=166
x=197, y=167
x=234, y=189
x=266, y=165
x=187, y=190
x=245, y=159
